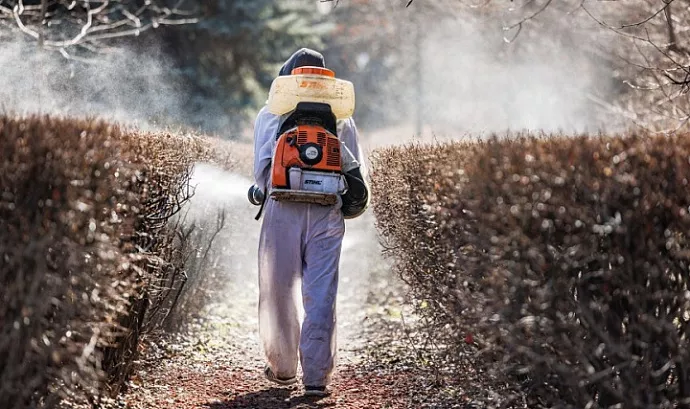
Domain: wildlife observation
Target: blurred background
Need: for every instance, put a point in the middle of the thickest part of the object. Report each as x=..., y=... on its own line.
x=422, y=69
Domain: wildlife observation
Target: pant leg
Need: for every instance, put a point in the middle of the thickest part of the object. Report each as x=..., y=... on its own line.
x=280, y=267
x=324, y=238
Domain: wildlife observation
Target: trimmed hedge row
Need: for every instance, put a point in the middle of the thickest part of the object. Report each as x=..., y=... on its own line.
x=565, y=258
x=88, y=260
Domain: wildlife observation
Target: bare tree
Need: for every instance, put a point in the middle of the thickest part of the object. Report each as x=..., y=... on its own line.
x=654, y=58
x=88, y=24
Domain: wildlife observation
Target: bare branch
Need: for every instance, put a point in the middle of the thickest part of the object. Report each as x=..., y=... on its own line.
x=18, y=9
x=525, y=19
x=672, y=39
x=88, y=22
x=519, y=28
x=661, y=10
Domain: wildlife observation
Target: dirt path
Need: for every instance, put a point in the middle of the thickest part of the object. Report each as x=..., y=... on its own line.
x=221, y=367
x=219, y=364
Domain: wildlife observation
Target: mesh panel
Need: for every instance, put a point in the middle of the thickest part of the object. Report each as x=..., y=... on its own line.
x=333, y=152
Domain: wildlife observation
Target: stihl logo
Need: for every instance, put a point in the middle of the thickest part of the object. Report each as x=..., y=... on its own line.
x=312, y=182
x=312, y=84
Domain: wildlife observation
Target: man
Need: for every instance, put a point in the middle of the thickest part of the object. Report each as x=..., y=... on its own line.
x=301, y=242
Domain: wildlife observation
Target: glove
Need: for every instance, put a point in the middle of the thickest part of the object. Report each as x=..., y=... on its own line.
x=255, y=195
x=356, y=199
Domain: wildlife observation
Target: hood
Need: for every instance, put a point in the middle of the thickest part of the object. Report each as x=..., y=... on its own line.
x=301, y=58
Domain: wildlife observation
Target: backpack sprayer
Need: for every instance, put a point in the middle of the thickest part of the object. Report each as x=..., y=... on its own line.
x=307, y=164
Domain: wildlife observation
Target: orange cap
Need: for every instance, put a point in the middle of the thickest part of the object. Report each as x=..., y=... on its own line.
x=310, y=70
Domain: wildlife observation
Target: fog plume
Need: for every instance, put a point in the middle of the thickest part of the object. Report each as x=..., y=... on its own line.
x=463, y=76
x=119, y=84
x=476, y=82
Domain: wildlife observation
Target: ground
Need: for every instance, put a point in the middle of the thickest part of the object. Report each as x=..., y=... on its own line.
x=218, y=362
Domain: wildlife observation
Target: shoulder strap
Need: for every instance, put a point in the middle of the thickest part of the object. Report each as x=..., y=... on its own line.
x=261, y=209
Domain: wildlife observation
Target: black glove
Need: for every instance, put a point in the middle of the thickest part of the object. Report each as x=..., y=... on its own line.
x=356, y=199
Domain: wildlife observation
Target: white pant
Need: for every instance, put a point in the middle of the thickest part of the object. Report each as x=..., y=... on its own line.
x=299, y=243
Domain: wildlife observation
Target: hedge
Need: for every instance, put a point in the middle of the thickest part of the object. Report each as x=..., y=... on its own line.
x=564, y=258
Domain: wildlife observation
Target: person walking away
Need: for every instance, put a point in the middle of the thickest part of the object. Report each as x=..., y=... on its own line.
x=301, y=243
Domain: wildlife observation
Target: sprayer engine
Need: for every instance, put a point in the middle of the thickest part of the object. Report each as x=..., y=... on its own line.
x=307, y=166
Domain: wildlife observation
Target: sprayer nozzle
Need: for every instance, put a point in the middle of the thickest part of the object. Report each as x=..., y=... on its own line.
x=255, y=195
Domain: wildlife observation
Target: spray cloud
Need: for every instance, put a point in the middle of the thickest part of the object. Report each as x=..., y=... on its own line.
x=120, y=84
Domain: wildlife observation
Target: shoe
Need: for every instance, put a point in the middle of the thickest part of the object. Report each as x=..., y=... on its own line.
x=320, y=391
x=268, y=373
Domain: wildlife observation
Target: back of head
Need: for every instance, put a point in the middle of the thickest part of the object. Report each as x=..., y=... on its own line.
x=302, y=58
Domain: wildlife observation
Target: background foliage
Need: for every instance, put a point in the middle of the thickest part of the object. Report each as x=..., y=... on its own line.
x=234, y=52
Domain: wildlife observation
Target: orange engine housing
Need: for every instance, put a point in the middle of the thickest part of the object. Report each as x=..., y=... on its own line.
x=292, y=147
